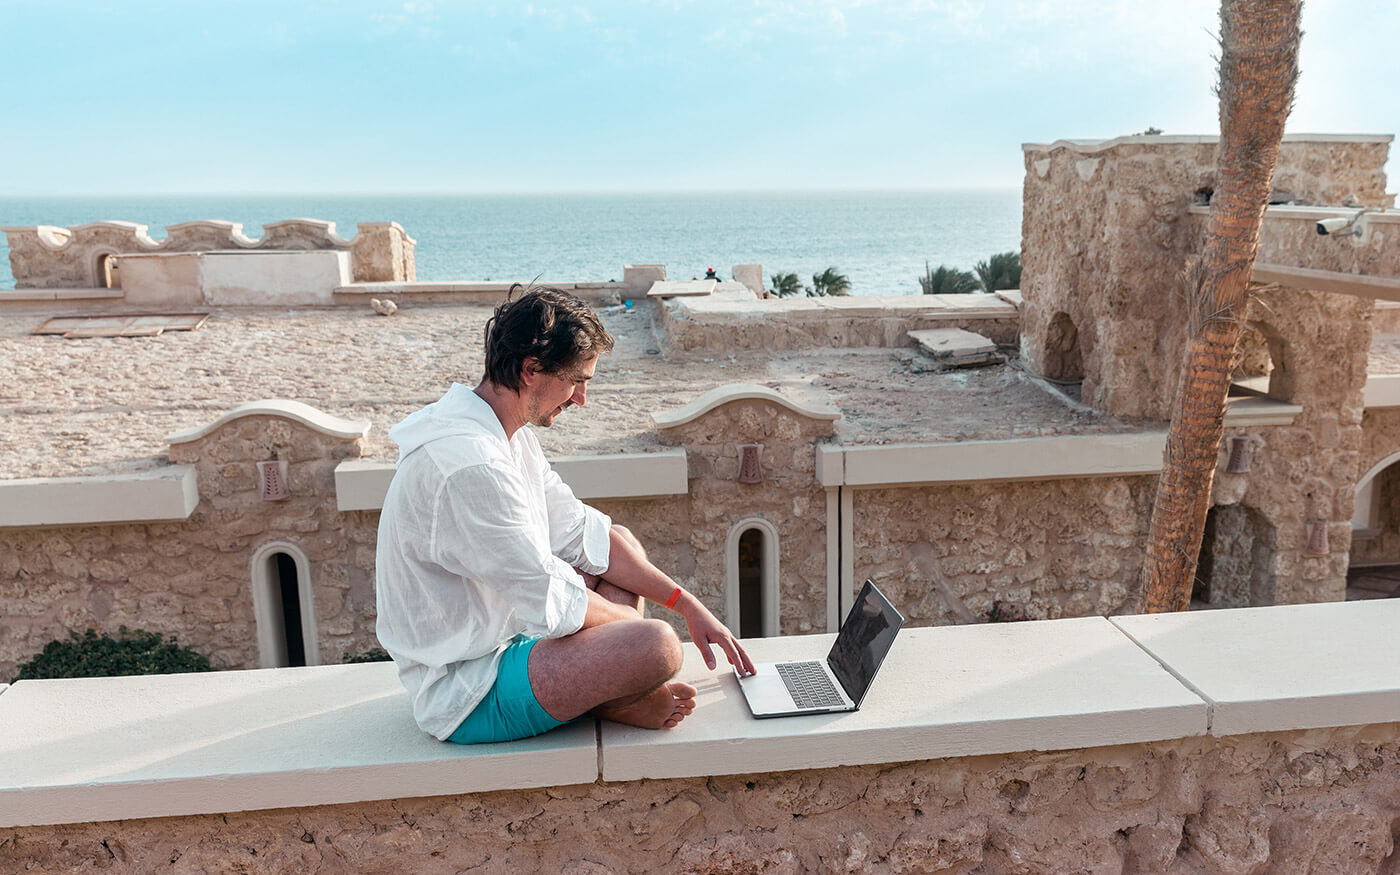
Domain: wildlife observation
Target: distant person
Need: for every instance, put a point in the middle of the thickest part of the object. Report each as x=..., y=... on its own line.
x=509, y=606
x=711, y=275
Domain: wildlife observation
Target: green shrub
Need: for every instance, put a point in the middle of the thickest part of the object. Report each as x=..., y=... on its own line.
x=1005, y=612
x=1001, y=271
x=374, y=654
x=785, y=285
x=829, y=282
x=91, y=655
x=945, y=280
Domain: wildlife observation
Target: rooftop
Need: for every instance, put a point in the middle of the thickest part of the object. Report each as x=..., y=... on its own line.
x=99, y=405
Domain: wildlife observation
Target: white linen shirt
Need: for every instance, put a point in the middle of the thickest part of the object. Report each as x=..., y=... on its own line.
x=478, y=543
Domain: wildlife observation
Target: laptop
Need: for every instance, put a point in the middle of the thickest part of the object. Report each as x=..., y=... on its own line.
x=838, y=683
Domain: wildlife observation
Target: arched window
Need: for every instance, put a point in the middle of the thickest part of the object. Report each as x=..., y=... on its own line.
x=282, y=604
x=108, y=271
x=751, y=578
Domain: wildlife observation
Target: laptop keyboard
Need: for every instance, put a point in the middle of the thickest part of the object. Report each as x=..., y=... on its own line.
x=809, y=685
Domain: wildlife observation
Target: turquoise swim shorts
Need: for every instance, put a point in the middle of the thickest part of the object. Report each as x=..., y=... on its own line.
x=510, y=710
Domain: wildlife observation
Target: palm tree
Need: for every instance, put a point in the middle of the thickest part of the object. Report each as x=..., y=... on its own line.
x=785, y=284
x=1001, y=271
x=1258, y=69
x=945, y=280
x=829, y=282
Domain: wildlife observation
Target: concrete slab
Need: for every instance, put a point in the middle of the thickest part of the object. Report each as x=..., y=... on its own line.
x=677, y=288
x=169, y=493
x=1281, y=668
x=952, y=343
x=944, y=691
x=117, y=748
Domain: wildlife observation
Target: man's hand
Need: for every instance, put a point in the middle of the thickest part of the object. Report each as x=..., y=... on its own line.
x=705, y=630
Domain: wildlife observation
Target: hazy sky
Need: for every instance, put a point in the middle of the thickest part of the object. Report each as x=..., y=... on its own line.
x=190, y=96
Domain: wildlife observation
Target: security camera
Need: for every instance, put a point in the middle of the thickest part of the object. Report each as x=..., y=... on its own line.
x=1333, y=225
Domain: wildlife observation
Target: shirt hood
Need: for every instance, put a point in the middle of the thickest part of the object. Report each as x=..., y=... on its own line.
x=459, y=411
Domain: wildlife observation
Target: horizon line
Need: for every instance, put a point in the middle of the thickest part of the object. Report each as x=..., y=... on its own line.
x=521, y=192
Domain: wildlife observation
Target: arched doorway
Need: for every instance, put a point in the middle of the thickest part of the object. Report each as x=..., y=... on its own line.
x=283, y=606
x=1235, y=568
x=751, y=578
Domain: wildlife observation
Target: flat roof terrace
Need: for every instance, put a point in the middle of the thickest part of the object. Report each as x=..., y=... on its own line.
x=105, y=405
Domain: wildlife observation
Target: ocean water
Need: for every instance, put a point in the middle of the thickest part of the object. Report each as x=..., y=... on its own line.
x=880, y=239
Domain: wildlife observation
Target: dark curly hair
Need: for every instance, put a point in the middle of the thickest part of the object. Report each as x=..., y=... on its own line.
x=548, y=324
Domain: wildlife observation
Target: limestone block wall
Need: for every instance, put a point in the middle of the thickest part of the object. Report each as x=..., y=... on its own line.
x=48, y=257
x=1107, y=232
x=1304, y=801
x=789, y=497
x=1381, y=439
x=694, y=326
x=194, y=579
x=1304, y=473
x=1057, y=548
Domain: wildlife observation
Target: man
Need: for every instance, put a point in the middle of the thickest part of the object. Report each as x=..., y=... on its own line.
x=509, y=606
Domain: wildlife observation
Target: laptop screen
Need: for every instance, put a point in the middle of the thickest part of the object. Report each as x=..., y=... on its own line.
x=863, y=641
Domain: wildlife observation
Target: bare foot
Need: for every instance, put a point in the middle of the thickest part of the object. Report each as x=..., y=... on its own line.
x=663, y=708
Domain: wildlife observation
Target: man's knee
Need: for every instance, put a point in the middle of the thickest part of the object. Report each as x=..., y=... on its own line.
x=662, y=645
x=626, y=535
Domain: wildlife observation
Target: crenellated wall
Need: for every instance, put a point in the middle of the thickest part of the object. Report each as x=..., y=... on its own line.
x=48, y=257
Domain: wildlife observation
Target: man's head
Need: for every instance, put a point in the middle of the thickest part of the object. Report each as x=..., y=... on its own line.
x=542, y=338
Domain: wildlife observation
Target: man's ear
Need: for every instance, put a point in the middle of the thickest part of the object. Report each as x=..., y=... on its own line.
x=529, y=370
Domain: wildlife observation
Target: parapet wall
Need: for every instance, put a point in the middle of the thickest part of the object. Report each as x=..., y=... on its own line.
x=1315, y=801
x=49, y=257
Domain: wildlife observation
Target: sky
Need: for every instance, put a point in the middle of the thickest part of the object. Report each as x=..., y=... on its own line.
x=351, y=96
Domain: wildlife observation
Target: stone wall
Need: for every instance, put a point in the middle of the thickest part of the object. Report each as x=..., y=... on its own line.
x=48, y=257
x=1304, y=473
x=1057, y=548
x=194, y=579
x=1381, y=438
x=686, y=535
x=789, y=497
x=1315, y=801
x=1107, y=233
x=702, y=325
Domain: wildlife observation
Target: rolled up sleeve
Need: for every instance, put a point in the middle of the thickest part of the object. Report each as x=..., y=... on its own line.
x=578, y=534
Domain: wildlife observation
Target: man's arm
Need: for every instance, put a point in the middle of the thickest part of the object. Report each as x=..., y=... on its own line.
x=631, y=570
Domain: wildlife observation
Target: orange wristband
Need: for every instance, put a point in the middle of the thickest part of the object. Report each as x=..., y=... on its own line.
x=675, y=597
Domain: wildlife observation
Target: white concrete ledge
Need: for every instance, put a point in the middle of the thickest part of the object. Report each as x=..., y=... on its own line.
x=1381, y=288
x=1381, y=390
x=361, y=484
x=1018, y=459
x=1283, y=668
x=630, y=475
x=119, y=748
x=20, y=296
x=164, y=494
x=1244, y=412
x=944, y=691
x=296, y=411
x=728, y=394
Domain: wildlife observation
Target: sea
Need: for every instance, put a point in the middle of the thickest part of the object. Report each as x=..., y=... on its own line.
x=881, y=240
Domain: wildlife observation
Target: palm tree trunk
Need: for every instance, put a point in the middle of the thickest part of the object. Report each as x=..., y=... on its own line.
x=1258, y=68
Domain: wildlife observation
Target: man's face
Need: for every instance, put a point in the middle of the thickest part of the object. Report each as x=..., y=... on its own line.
x=556, y=393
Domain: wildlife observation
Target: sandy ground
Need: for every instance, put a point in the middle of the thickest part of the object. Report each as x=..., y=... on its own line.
x=83, y=406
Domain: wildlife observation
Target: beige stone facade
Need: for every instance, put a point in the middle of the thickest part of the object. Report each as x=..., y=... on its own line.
x=1314, y=801
x=1057, y=548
